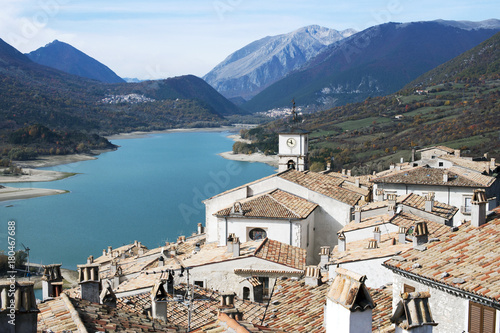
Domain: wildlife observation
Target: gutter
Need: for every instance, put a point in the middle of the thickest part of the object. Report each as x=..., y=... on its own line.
x=458, y=292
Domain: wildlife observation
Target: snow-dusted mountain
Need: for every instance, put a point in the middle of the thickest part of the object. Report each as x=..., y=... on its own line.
x=251, y=69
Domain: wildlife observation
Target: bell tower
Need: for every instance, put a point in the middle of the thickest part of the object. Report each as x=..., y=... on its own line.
x=293, y=150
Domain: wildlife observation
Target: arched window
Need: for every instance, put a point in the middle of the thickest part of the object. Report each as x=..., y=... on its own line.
x=290, y=165
x=257, y=233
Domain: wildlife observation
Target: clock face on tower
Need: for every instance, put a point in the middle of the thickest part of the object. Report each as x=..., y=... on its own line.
x=290, y=142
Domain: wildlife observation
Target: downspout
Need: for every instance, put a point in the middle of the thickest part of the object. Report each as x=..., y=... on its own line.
x=226, y=231
x=290, y=221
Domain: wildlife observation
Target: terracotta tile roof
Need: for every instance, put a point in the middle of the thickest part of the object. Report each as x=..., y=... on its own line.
x=295, y=307
x=283, y=254
x=467, y=259
x=204, y=309
x=403, y=219
x=242, y=186
x=432, y=176
x=407, y=220
x=478, y=166
x=76, y=315
x=274, y=251
x=56, y=316
x=225, y=324
x=322, y=184
x=444, y=148
x=416, y=201
x=359, y=251
x=381, y=315
x=273, y=204
x=363, y=180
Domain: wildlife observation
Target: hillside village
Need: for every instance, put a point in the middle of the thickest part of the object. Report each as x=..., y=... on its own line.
x=409, y=249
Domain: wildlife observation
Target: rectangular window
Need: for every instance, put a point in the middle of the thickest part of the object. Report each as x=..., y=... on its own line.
x=200, y=284
x=481, y=318
x=466, y=208
x=441, y=164
x=265, y=285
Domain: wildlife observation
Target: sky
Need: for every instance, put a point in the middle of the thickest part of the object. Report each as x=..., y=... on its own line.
x=155, y=39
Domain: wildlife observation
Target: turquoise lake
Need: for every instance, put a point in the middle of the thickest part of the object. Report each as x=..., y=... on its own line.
x=149, y=190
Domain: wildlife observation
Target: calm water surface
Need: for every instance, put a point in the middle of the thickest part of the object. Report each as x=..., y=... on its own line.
x=150, y=190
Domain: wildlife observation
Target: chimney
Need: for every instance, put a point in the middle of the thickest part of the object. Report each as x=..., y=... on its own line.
x=377, y=234
x=478, y=208
x=52, y=281
x=103, y=252
x=357, y=182
x=113, y=267
x=493, y=164
x=328, y=166
x=107, y=296
x=89, y=281
x=110, y=251
x=18, y=303
x=236, y=247
x=159, y=301
x=197, y=248
x=413, y=313
x=90, y=260
x=230, y=239
x=201, y=230
x=140, y=249
x=413, y=154
x=402, y=235
x=341, y=242
x=343, y=172
x=324, y=256
x=420, y=234
x=349, y=173
x=357, y=214
x=429, y=202
x=312, y=276
x=457, y=152
x=227, y=307
x=372, y=244
x=380, y=194
x=161, y=261
x=402, y=160
x=392, y=166
x=348, y=304
x=446, y=176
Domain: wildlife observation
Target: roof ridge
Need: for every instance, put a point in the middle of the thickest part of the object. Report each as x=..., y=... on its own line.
x=74, y=313
x=284, y=205
x=260, y=246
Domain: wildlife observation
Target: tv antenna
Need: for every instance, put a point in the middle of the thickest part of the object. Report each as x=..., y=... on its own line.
x=27, y=250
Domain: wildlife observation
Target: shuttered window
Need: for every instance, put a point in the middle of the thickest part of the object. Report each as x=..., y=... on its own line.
x=408, y=289
x=481, y=318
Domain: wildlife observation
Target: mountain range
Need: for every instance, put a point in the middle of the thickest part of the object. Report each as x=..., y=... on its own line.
x=66, y=58
x=377, y=61
x=31, y=93
x=254, y=67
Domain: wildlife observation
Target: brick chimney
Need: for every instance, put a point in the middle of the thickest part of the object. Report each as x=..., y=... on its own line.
x=357, y=214
x=159, y=301
x=402, y=235
x=478, y=208
x=89, y=281
x=313, y=276
x=420, y=234
x=341, y=242
x=377, y=234
x=19, y=310
x=52, y=281
x=429, y=202
x=324, y=256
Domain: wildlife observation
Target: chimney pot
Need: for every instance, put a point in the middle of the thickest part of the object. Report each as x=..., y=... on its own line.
x=377, y=234
x=200, y=229
x=429, y=201
x=357, y=182
x=341, y=242
x=478, y=207
x=372, y=244
x=357, y=214
x=312, y=276
x=402, y=235
x=420, y=234
x=324, y=257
